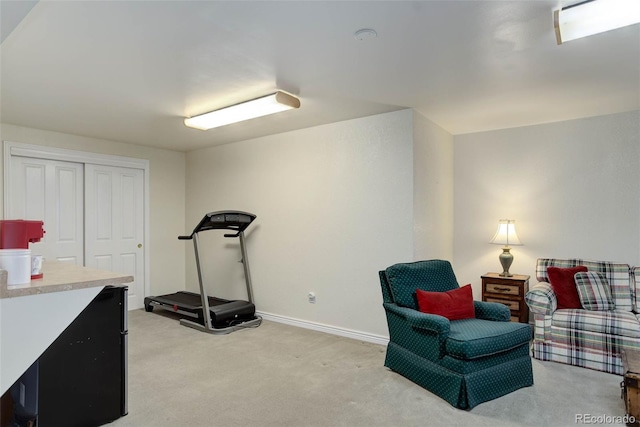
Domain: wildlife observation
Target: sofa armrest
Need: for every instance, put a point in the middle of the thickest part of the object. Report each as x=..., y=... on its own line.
x=541, y=299
x=417, y=319
x=492, y=311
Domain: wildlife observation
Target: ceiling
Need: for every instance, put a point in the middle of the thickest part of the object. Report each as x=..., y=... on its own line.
x=131, y=71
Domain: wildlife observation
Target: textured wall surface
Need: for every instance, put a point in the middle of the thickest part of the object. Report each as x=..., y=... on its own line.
x=334, y=206
x=573, y=188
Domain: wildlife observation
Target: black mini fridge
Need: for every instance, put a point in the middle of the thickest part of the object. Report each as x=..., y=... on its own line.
x=82, y=376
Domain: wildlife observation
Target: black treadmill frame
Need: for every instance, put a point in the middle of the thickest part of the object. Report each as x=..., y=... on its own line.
x=238, y=222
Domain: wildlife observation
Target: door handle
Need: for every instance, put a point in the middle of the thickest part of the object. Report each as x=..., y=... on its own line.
x=139, y=245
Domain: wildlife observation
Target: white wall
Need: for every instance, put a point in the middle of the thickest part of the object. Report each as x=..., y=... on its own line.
x=334, y=206
x=167, y=198
x=432, y=190
x=337, y=203
x=573, y=188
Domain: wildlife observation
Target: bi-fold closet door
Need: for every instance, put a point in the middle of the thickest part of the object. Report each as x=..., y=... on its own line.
x=93, y=214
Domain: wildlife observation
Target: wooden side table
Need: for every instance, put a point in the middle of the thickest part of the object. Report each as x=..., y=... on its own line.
x=630, y=384
x=509, y=291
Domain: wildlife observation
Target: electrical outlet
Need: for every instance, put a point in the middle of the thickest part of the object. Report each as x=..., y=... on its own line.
x=312, y=297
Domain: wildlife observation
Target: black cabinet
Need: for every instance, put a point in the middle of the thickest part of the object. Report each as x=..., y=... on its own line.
x=82, y=376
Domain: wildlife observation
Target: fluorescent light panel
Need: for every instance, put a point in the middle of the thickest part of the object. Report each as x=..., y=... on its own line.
x=270, y=104
x=594, y=17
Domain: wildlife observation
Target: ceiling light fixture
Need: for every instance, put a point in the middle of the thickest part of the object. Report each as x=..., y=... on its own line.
x=270, y=104
x=594, y=16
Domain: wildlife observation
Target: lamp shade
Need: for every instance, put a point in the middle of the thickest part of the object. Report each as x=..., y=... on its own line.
x=506, y=234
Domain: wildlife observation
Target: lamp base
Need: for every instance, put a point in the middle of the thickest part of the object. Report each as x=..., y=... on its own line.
x=506, y=259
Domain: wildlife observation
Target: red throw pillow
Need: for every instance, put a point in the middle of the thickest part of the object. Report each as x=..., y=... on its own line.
x=454, y=304
x=564, y=285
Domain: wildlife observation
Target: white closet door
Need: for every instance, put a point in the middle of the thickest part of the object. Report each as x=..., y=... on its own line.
x=51, y=191
x=114, y=224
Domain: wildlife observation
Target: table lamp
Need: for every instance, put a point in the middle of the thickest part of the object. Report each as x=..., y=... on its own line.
x=506, y=235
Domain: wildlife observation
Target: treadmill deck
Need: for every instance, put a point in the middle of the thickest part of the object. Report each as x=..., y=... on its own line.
x=222, y=311
x=187, y=300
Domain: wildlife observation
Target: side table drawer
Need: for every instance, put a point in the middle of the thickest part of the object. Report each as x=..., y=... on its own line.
x=513, y=305
x=499, y=288
x=509, y=291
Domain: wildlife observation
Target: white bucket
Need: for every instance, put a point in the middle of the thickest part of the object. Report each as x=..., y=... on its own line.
x=17, y=262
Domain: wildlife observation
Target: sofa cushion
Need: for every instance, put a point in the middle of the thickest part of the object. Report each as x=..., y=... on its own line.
x=593, y=290
x=431, y=275
x=455, y=304
x=618, y=275
x=564, y=285
x=614, y=322
x=474, y=338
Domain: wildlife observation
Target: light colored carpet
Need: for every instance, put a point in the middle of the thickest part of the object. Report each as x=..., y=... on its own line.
x=280, y=375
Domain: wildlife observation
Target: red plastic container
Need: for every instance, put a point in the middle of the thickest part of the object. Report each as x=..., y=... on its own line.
x=18, y=233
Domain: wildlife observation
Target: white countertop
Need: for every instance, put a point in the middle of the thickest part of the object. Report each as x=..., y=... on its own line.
x=58, y=276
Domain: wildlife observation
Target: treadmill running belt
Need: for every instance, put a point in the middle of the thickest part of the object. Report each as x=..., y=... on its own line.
x=188, y=300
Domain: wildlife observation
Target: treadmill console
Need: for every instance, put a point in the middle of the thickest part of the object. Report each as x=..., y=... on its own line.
x=223, y=220
x=230, y=218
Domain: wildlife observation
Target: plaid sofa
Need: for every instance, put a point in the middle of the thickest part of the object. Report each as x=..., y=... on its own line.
x=590, y=339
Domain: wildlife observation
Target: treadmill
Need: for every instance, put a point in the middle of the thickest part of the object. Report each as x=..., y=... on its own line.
x=214, y=315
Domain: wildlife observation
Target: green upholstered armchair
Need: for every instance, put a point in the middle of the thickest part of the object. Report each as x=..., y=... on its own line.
x=465, y=362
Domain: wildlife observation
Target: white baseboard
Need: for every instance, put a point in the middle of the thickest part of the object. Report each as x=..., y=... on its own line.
x=348, y=333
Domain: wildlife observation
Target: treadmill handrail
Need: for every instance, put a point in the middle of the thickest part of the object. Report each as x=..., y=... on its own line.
x=237, y=221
